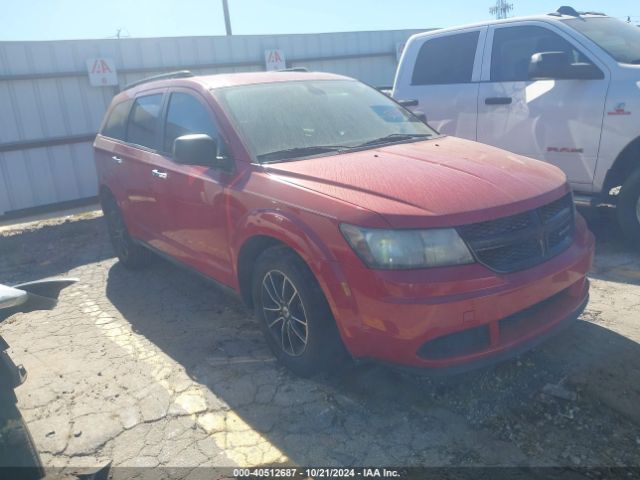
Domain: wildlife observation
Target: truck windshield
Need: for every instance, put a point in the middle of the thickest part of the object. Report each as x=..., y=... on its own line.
x=619, y=39
x=295, y=119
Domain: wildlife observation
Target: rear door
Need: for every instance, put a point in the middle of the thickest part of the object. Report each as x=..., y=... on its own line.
x=442, y=71
x=192, y=216
x=556, y=120
x=139, y=160
x=109, y=146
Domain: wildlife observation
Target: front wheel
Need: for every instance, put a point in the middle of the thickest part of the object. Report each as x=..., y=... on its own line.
x=294, y=314
x=628, y=208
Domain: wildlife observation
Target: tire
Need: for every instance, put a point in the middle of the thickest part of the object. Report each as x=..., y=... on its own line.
x=628, y=208
x=297, y=324
x=129, y=253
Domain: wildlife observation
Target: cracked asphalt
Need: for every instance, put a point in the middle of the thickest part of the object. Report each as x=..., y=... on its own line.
x=159, y=368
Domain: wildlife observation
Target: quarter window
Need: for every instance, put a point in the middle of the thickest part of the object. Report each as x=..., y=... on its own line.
x=514, y=46
x=116, y=125
x=186, y=115
x=446, y=60
x=143, y=121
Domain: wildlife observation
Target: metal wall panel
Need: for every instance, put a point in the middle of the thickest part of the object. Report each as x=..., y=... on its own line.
x=45, y=95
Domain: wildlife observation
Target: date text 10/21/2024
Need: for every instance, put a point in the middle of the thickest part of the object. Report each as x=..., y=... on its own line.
x=253, y=473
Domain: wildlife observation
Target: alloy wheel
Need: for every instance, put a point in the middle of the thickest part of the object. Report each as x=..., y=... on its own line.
x=284, y=313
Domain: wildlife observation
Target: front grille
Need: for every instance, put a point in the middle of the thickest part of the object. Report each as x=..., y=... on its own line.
x=524, y=240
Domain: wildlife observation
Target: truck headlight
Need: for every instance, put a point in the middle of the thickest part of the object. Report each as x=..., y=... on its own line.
x=407, y=249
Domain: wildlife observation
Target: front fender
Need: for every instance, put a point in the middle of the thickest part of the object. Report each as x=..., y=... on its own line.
x=305, y=241
x=285, y=228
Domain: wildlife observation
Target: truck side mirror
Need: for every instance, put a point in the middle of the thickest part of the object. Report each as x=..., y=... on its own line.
x=556, y=65
x=548, y=65
x=422, y=116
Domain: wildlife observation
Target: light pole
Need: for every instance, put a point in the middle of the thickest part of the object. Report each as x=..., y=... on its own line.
x=227, y=19
x=501, y=9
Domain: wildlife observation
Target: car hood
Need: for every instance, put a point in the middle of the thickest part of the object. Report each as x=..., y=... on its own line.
x=443, y=181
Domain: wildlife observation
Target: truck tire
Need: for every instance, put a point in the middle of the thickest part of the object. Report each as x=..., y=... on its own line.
x=130, y=254
x=628, y=208
x=294, y=314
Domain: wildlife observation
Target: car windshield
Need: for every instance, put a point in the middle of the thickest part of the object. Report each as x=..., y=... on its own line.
x=619, y=39
x=291, y=120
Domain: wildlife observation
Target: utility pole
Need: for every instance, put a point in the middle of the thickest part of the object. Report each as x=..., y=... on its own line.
x=501, y=9
x=227, y=19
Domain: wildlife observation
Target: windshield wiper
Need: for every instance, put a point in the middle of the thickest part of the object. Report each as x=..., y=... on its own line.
x=297, y=152
x=395, y=137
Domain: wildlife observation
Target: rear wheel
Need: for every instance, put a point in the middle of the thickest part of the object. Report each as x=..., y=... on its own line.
x=294, y=314
x=628, y=208
x=130, y=254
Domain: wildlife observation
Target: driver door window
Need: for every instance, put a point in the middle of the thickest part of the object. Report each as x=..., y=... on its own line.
x=186, y=115
x=514, y=46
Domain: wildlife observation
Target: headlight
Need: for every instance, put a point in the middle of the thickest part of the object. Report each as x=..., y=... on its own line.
x=406, y=249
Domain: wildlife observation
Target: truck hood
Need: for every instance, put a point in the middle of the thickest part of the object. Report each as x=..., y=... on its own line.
x=439, y=182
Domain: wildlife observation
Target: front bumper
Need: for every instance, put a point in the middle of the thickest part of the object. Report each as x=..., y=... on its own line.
x=456, y=316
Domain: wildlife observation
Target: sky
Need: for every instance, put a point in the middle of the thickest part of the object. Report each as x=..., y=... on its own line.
x=72, y=19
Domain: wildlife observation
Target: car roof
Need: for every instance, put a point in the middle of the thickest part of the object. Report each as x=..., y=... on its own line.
x=221, y=80
x=232, y=79
x=548, y=17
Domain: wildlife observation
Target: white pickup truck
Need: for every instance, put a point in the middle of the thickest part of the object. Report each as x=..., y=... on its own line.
x=562, y=87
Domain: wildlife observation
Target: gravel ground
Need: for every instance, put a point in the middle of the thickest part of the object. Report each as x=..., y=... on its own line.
x=158, y=368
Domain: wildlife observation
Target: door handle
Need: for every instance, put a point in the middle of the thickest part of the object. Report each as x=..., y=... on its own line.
x=117, y=159
x=498, y=101
x=159, y=174
x=409, y=103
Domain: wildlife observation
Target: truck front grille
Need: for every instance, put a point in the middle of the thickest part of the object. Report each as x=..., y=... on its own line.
x=524, y=240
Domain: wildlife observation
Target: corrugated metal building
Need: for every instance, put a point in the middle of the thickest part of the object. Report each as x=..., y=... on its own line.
x=49, y=112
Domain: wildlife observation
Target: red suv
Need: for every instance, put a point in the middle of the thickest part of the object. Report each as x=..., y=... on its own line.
x=343, y=219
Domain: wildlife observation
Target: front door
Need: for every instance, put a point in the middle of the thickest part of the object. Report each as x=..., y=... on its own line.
x=556, y=120
x=192, y=209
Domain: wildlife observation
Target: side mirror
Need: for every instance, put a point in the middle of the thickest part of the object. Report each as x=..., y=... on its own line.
x=199, y=149
x=422, y=116
x=548, y=65
x=555, y=65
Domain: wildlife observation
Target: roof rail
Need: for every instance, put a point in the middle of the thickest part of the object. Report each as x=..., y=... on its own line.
x=294, y=69
x=162, y=76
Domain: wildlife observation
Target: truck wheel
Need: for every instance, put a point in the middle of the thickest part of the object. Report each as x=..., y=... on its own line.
x=130, y=254
x=294, y=314
x=628, y=208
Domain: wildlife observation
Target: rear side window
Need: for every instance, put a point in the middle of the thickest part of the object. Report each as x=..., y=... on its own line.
x=186, y=115
x=116, y=125
x=446, y=60
x=513, y=47
x=143, y=121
